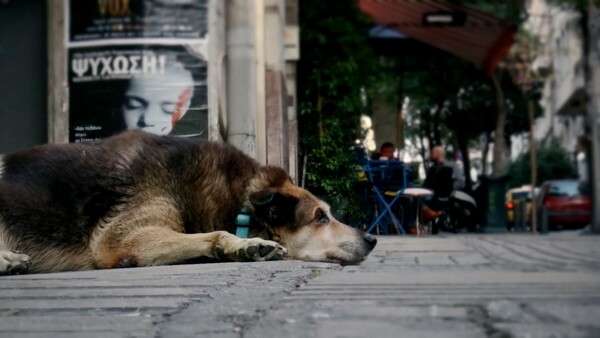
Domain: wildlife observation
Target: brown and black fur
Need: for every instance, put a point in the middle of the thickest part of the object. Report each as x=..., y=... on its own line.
x=137, y=199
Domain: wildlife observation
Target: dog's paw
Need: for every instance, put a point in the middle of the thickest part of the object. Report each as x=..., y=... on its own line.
x=256, y=249
x=13, y=263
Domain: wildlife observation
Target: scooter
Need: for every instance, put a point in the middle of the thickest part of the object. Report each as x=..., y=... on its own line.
x=453, y=210
x=458, y=213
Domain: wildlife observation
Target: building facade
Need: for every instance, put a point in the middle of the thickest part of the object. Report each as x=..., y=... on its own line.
x=560, y=61
x=78, y=65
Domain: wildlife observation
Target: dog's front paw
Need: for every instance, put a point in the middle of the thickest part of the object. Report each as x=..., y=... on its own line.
x=256, y=249
x=13, y=263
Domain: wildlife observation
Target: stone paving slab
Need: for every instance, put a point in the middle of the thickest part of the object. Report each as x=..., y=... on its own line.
x=439, y=286
x=183, y=300
x=451, y=286
x=49, y=323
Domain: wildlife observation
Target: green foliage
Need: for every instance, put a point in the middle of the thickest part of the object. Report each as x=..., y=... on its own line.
x=472, y=112
x=331, y=175
x=552, y=163
x=469, y=109
x=509, y=10
x=570, y=4
x=337, y=64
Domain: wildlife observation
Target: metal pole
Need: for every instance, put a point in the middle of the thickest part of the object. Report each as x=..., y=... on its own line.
x=545, y=220
x=523, y=207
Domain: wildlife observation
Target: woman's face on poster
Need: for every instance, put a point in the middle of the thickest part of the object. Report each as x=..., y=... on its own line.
x=156, y=102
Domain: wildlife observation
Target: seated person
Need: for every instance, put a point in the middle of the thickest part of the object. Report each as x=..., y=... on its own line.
x=386, y=152
x=442, y=178
x=438, y=159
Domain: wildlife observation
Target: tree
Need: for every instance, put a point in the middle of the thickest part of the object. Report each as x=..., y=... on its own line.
x=508, y=10
x=552, y=163
x=337, y=63
x=511, y=11
x=457, y=100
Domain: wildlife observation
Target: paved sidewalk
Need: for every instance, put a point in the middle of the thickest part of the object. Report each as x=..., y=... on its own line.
x=442, y=286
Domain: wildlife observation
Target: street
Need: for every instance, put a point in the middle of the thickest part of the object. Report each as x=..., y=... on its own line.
x=501, y=285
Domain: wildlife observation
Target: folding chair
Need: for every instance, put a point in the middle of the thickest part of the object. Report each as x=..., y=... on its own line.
x=389, y=175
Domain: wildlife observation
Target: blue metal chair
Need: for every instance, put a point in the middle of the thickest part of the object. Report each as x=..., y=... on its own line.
x=386, y=176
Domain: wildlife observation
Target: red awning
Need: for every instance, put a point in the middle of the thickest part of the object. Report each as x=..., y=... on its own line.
x=482, y=39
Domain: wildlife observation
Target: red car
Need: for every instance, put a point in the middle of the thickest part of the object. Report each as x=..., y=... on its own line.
x=567, y=203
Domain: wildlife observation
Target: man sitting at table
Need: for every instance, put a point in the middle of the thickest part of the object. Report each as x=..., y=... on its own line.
x=442, y=178
x=438, y=162
x=386, y=152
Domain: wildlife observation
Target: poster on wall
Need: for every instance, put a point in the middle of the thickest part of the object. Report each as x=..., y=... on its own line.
x=159, y=89
x=153, y=78
x=134, y=19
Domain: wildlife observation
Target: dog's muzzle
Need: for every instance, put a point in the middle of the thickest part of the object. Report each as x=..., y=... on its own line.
x=370, y=240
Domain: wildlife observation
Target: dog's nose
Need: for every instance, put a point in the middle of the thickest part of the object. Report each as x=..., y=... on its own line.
x=371, y=240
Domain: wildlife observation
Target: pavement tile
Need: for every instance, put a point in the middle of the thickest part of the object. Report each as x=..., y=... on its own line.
x=513, y=285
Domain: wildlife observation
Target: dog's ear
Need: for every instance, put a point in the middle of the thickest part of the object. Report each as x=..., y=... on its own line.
x=261, y=198
x=273, y=208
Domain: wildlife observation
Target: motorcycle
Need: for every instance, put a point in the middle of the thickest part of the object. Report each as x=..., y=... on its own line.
x=458, y=213
x=454, y=209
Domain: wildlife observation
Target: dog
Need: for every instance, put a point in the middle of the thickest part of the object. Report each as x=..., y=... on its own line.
x=137, y=199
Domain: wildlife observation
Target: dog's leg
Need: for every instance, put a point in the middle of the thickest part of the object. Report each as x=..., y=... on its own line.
x=12, y=263
x=162, y=246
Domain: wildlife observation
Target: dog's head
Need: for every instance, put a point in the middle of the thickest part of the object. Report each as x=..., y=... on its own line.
x=302, y=223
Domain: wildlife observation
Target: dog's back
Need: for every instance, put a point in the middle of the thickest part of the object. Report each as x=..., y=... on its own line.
x=55, y=198
x=56, y=194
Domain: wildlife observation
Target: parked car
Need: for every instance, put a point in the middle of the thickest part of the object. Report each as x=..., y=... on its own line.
x=567, y=202
x=514, y=197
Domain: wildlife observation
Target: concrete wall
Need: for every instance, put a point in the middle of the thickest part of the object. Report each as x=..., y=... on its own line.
x=23, y=66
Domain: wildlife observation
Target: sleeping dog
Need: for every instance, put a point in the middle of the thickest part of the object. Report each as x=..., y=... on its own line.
x=137, y=199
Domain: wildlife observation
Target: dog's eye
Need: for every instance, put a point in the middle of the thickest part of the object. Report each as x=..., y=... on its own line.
x=321, y=217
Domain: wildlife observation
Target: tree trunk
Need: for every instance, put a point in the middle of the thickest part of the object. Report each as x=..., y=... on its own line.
x=422, y=149
x=486, y=149
x=437, y=138
x=428, y=126
x=500, y=150
x=463, y=146
x=399, y=109
x=591, y=50
x=533, y=161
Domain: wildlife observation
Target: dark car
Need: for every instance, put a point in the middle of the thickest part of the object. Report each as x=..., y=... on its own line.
x=567, y=202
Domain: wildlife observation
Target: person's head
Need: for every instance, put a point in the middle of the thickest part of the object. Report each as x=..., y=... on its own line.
x=387, y=150
x=155, y=102
x=438, y=154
